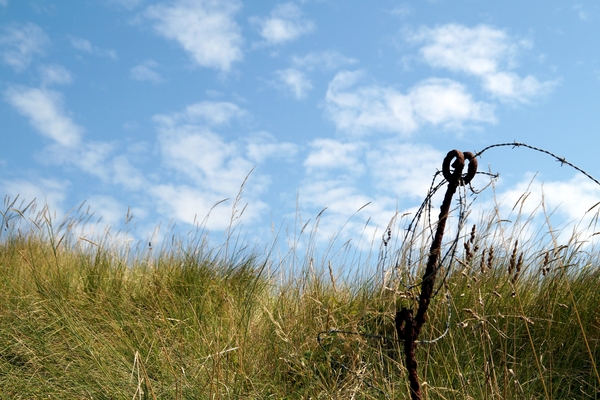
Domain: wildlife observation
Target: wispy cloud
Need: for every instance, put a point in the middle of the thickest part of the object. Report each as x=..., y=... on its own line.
x=45, y=112
x=285, y=23
x=204, y=168
x=322, y=60
x=204, y=28
x=346, y=212
x=402, y=10
x=582, y=13
x=404, y=170
x=126, y=175
x=146, y=71
x=330, y=154
x=192, y=205
x=370, y=108
x=19, y=43
x=294, y=81
x=485, y=52
x=54, y=73
x=128, y=4
x=263, y=145
x=204, y=157
x=99, y=159
x=87, y=47
x=199, y=155
x=345, y=176
x=108, y=208
x=337, y=195
x=210, y=113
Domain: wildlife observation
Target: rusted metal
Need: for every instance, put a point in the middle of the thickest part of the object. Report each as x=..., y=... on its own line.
x=407, y=326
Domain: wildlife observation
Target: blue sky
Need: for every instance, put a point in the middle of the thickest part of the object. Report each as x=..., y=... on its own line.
x=165, y=107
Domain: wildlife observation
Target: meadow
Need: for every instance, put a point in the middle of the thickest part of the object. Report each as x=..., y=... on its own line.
x=515, y=316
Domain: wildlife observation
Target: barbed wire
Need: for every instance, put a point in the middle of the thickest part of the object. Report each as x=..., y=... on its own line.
x=562, y=160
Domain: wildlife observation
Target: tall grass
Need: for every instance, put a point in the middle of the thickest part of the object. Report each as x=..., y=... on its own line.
x=95, y=318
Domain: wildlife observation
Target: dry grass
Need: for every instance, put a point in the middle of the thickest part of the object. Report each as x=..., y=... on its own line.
x=96, y=319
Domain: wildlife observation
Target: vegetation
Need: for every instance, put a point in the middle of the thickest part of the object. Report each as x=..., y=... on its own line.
x=93, y=318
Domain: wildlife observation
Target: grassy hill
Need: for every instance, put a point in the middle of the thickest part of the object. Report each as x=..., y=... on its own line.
x=83, y=319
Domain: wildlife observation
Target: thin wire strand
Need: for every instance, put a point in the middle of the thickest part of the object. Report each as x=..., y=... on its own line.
x=562, y=160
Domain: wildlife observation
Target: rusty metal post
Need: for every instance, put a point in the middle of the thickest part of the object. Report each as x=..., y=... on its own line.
x=407, y=326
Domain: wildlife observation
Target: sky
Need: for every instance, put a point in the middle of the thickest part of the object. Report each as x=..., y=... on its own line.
x=188, y=112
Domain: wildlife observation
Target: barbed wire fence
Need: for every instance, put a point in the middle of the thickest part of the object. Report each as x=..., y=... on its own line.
x=406, y=328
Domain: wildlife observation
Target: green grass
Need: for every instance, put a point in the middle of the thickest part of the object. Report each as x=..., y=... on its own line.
x=83, y=319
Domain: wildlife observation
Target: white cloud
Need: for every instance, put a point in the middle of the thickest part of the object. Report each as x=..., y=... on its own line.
x=82, y=44
x=146, y=72
x=209, y=113
x=97, y=159
x=204, y=168
x=196, y=206
x=508, y=85
x=447, y=103
x=404, y=169
x=295, y=81
x=263, y=145
x=285, y=23
x=126, y=174
x=367, y=108
x=330, y=154
x=3, y=3
x=335, y=194
x=202, y=156
x=484, y=52
x=216, y=168
x=204, y=28
x=327, y=60
x=371, y=108
x=189, y=204
x=45, y=111
x=90, y=157
x=19, y=43
x=191, y=148
x=58, y=74
x=477, y=51
x=86, y=46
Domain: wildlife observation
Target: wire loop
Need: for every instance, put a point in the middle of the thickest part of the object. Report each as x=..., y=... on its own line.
x=458, y=165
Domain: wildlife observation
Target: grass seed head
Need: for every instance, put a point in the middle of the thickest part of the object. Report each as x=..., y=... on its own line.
x=490, y=263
